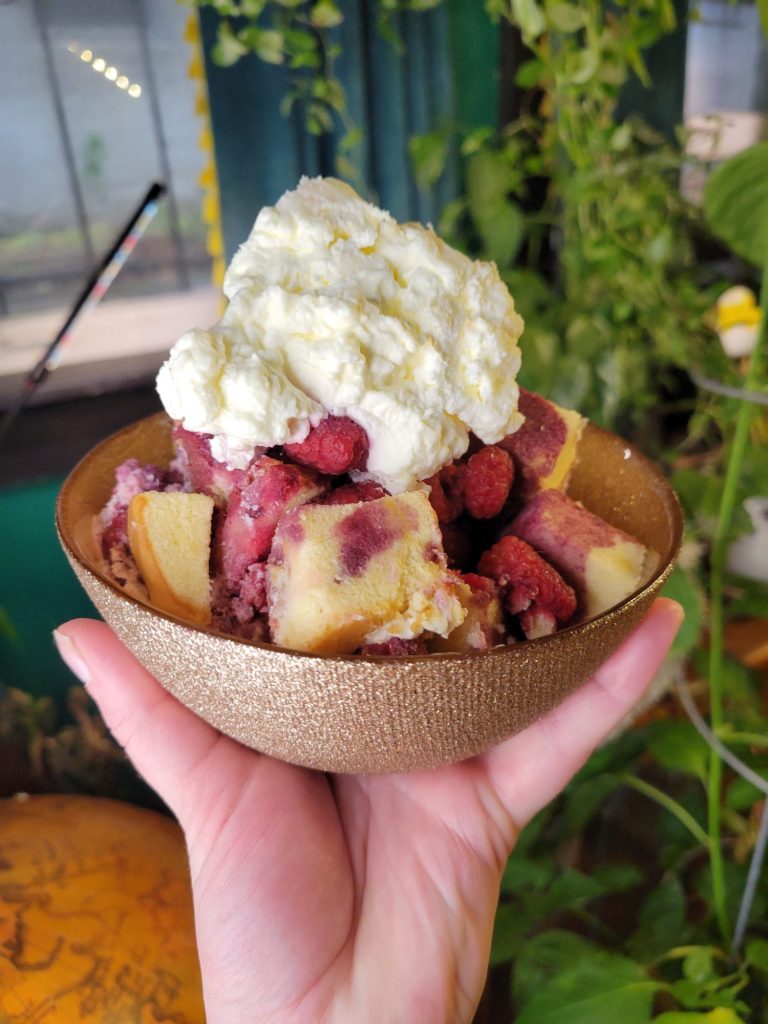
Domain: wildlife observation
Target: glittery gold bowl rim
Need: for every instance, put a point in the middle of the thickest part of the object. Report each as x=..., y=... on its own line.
x=371, y=714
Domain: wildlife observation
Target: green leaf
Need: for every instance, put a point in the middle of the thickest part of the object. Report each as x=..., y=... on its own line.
x=269, y=47
x=742, y=794
x=529, y=17
x=228, y=49
x=298, y=40
x=660, y=922
x=668, y=15
x=572, y=888
x=685, y=587
x=331, y=92
x=571, y=981
x=583, y=801
x=529, y=73
x=638, y=65
x=617, y=877
x=736, y=203
x=428, y=153
x=756, y=954
x=325, y=14
x=498, y=218
x=475, y=139
x=509, y=930
x=721, y=1015
x=521, y=873
x=225, y=8
x=622, y=137
x=502, y=229
x=487, y=178
x=565, y=17
x=677, y=745
x=583, y=66
x=351, y=139
x=762, y=7
x=450, y=218
x=346, y=168
x=319, y=120
x=698, y=965
x=545, y=956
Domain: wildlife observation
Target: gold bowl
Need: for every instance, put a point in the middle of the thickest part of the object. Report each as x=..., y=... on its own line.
x=371, y=714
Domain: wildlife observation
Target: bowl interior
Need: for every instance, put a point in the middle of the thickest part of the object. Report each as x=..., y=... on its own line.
x=610, y=477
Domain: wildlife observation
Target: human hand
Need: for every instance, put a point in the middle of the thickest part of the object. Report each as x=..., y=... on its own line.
x=347, y=898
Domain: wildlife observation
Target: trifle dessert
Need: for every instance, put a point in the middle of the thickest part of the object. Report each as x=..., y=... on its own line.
x=356, y=470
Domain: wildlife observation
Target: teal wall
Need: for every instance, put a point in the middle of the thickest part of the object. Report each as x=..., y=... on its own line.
x=38, y=590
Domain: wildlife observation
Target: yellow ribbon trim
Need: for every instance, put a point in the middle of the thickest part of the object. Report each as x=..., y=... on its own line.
x=209, y=178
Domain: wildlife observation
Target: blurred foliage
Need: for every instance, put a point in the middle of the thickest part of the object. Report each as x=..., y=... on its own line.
x=45, y=751
x=606, y=904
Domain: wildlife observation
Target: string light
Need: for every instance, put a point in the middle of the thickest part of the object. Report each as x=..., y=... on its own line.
x=110, y=72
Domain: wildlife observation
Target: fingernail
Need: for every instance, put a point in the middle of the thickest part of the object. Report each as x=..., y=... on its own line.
x=71, y=656
x=675, y=610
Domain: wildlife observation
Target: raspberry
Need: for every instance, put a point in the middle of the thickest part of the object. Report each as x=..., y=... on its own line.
x=481, y=584
x=532, y=589
x=487, y=481
x=395, y=647
x=446, y=492
x=350, y=494
x=336, y=445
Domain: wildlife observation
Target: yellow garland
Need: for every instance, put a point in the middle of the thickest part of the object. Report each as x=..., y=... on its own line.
x=209, y=179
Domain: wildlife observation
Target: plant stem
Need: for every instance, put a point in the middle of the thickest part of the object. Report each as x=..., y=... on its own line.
x=660, y=797
x=750, y=739
x=720, y=542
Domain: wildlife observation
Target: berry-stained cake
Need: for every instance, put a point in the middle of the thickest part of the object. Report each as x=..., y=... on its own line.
x=603, y=564
x=342, y=576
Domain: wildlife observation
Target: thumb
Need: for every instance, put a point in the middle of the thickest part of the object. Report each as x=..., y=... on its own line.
x=169, y=745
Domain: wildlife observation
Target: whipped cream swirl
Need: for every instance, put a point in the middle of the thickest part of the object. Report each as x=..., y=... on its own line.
x=335, y=308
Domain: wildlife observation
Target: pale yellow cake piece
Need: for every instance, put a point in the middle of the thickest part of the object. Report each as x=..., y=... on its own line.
x=344, y=575
x=170, y=538
x=483, y=626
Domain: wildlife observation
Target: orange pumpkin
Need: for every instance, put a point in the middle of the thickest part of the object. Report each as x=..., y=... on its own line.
x=95, y=915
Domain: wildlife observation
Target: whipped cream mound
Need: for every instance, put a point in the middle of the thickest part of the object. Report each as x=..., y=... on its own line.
x=335, y=308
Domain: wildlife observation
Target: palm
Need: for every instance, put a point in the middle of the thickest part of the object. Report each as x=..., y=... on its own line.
x=345, y=898
x=347, y=871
